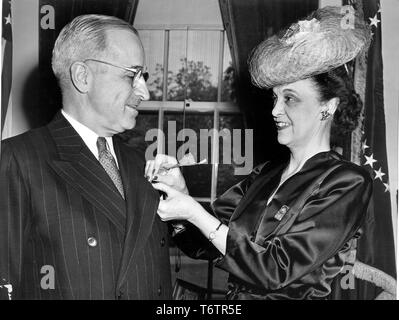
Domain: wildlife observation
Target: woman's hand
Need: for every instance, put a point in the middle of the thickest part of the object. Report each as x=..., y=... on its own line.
x=180, y=206
x=177, y=205
x=157, y=171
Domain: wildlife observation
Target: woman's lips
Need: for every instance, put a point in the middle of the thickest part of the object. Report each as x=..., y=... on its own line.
x=281, y=125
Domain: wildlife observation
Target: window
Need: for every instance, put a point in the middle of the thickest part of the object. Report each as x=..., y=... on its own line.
x=190, y=81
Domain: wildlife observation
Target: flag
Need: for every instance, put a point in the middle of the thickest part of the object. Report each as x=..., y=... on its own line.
x=376, y=247
x=6, y=61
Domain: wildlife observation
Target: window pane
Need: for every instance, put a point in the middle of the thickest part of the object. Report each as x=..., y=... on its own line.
x=176, y=65
x=144, y=122
x=228, y=74
x=193, y=65
x=226, y=177
x=198, y=178
x=153, y=43
x=202, y=65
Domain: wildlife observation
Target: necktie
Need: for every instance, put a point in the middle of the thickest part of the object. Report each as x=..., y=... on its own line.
x=108, y=162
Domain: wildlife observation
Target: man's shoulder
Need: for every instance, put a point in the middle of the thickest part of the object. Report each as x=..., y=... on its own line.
x=26, y=143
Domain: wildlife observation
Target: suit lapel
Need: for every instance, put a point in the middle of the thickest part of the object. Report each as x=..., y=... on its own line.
x=81, y=170
x=141, y=205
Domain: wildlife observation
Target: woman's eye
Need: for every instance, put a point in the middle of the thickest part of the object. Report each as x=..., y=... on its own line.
x=288, y=99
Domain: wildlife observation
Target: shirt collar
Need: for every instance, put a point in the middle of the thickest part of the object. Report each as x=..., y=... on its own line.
x=89, y=136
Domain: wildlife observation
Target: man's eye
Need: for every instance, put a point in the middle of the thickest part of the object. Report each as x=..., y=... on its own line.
x=130, y=78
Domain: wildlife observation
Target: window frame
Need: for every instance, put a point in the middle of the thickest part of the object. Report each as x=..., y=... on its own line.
x=188, y=106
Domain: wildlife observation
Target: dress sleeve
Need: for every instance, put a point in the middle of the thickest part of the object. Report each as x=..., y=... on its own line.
x=13, y=208
x=192, y=242
x=329, y=218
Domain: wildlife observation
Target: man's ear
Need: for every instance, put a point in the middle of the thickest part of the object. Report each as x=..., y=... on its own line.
x=80, y=76
x=331, y=105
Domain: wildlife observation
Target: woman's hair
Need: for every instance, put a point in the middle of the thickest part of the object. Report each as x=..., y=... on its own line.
x=337, y=83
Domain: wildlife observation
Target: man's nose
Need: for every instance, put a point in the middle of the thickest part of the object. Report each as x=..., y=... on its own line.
x=140, y=89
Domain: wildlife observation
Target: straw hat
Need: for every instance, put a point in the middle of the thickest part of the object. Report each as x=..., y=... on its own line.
x=328, y=38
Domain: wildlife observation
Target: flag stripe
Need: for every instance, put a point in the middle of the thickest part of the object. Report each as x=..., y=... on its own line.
x=6, y=80
x=6, y=63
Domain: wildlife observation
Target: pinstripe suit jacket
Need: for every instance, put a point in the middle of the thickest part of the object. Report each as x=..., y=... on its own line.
x=55, y=195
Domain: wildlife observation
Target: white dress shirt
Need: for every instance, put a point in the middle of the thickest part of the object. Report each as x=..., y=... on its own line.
x=89, y=136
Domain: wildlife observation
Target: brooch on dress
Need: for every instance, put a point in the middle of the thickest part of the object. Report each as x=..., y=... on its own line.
x=280, y=213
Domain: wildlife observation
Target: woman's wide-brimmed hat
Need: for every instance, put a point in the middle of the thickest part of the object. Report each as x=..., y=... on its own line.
x=328, y=38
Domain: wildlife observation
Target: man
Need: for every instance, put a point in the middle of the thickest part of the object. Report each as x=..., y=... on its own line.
x=77, y=217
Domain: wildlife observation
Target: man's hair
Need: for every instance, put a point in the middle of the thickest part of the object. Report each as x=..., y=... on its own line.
x=84, y=37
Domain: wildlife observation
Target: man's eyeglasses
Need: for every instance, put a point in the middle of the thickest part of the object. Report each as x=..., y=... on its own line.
x=137, y=72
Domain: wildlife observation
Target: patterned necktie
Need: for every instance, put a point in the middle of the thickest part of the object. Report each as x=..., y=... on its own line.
x=108, y=162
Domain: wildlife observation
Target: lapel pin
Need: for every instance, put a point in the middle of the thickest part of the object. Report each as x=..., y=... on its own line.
x=280, y=214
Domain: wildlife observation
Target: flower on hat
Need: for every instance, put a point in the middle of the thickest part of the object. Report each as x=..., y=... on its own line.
x=301, y=30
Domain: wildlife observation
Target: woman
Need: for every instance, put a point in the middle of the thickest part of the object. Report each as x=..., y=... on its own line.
x=287, y=230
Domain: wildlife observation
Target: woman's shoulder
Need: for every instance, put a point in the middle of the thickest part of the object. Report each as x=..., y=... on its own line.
x=348, y=168
x=337, y=171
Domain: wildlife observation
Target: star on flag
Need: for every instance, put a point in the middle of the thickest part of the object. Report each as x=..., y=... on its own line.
x=379, y=174
x=386, y=185
x=374, y=21
x=369, y=161
x=8, y=19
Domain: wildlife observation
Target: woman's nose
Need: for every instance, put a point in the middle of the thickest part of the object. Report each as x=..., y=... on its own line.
x=277, y=108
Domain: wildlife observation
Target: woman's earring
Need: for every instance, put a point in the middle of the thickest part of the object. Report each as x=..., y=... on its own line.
x=325, y=115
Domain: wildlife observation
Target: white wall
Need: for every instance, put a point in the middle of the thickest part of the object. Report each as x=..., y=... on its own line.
x=324, y=3
x=390, y=49
x=193, y=12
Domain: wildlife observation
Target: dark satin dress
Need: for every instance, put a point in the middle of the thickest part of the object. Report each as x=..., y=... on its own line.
x=293, y=247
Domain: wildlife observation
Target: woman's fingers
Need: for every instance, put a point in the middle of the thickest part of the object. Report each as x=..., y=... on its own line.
x=149, y=168
x=162, y=160
x=164, y=206
x=166, y=179
x=165, y=188
x=153, y=167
